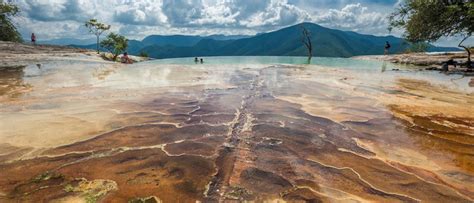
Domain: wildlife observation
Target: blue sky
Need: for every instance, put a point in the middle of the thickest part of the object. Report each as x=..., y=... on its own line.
x=51, y=19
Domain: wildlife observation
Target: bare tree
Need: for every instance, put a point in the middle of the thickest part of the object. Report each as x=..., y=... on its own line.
x=97, y=29
x=306, y=39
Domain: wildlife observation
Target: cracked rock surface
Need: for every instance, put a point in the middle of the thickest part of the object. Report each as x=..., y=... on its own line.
x=76, y=131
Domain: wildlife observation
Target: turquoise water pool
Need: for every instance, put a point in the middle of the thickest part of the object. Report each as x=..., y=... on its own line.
x=322, y=61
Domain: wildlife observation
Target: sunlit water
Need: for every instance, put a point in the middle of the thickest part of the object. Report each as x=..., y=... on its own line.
x=235, y=128
x=322, y=61
x=380, y=68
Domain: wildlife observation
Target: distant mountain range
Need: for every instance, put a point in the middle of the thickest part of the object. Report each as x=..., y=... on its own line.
x=285, y=42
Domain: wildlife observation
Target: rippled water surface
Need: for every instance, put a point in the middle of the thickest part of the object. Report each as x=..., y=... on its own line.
x=235, y=128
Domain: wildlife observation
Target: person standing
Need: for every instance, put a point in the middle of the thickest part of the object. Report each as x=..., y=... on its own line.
x=33, y=38
x=387, y=48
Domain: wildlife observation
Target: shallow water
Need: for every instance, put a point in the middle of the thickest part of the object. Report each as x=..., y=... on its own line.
x=243, y=128
x=346, y=63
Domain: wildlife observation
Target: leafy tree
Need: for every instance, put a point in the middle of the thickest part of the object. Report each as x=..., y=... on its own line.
x=8, y=31
x=115, y=44
x=143, y=54
x=97, y=29
x=429, y=20
x=417, y=47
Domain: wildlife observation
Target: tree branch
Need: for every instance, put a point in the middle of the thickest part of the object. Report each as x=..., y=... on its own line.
x=465, y=38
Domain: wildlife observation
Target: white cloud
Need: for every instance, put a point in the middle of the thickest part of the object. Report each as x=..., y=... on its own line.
x=138, y=18
x=221, y=13
x=277, y=13
x=140, y=13
x=454, y=41
x=135, y=18
x=355, y=17
x=57, y=10
x=181, y=12
x=49, y=30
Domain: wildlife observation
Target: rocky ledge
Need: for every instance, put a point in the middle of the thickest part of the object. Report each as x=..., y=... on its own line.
x=420, y=59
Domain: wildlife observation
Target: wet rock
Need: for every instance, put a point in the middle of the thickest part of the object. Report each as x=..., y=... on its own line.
x=264, y=182
x=433, y=68
x=271, y=141
x=247, y=143
x=90, y=191
x=49, y=175
x=305, y=195
x=238, y=193
x=151, y=199
x=43, y=180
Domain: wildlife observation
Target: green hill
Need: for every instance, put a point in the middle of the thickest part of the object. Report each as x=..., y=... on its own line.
x=285, y=42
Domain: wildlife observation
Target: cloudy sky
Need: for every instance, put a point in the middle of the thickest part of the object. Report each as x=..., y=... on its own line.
x=136, y=19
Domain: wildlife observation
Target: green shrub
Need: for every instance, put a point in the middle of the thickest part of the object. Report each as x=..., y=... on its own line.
x=417, y=47
x=143, y=54
x=8, y=31
x=116, y=44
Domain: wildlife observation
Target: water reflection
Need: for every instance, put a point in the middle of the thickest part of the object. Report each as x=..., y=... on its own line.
x=384, y=66
x=11, y=82
x=211, y=132
x=102, y=72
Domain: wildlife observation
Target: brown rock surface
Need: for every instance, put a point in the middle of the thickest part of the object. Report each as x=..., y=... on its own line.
x=256, y=133
x=419, y=59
